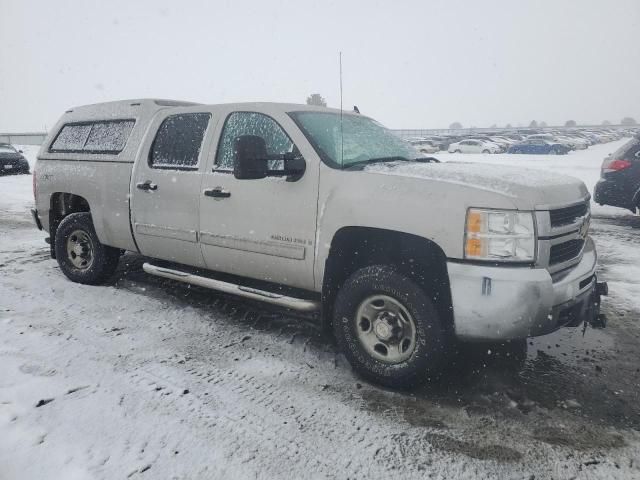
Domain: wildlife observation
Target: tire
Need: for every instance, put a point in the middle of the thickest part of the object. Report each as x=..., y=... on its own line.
x=81, y=256
x=379, y=289
x=486, y=151
x=457, y=151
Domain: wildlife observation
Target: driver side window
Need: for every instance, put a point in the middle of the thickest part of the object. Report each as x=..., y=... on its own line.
x=252, y=123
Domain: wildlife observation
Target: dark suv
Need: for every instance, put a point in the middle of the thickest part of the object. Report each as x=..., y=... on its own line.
x=619, y=183
x=12, y=160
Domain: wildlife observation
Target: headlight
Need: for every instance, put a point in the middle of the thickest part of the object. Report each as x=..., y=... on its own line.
x=500, y=235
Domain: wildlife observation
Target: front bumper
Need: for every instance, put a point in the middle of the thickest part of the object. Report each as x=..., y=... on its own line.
x=506, y=303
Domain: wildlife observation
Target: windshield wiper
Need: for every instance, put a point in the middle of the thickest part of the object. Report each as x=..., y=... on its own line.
x=370, y=161
x=363, y=163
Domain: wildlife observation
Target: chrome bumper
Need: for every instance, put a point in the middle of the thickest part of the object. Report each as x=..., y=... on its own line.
x=505, y=303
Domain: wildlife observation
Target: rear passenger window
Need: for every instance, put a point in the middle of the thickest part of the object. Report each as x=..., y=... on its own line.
x=107, y=137
x=178, y=141
x=71, y=138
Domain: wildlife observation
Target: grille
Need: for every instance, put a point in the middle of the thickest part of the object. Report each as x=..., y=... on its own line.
x=568, y=215
x=565, y=251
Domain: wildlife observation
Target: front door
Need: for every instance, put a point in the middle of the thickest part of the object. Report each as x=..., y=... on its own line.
x=166, y=188
x=262, y=228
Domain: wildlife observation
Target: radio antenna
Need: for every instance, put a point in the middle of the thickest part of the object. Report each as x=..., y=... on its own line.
x=341, y=128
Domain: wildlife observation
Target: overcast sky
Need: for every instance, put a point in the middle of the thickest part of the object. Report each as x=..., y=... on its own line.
x=410, y=64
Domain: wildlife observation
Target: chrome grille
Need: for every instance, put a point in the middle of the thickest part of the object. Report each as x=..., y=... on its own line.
x=568, y=215
x=563, y=252
x=562, y=231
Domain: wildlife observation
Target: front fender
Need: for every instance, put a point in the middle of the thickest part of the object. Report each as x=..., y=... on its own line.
x=430, y=209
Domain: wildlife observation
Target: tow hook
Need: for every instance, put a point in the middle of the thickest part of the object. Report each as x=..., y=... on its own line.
x=595, y=318
x=602, y=288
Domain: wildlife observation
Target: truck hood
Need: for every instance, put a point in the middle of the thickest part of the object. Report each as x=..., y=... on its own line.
x=527, y=188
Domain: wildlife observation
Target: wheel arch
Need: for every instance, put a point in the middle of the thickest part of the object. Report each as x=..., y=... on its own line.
x=419, y=258
x=636, y=199
x=62, y=204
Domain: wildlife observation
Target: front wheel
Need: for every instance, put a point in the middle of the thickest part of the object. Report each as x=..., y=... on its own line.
x=388, y=328
x=486, y=151
x=81, y=256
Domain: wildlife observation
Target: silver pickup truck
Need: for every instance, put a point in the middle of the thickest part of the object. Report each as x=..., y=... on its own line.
x=319, y=210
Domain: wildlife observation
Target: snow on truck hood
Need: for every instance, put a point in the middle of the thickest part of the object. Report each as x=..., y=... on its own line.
x=537, y=187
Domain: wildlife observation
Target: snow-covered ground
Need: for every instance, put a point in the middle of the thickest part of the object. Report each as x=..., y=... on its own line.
x=146, y=378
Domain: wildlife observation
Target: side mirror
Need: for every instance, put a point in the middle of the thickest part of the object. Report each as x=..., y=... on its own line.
x=294, y=167
x=250, y=162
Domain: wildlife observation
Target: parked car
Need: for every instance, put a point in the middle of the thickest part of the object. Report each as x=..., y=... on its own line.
x=12, y=160
x=474, y=146
x=441, y=142
x=324, y=212
x=538, y=146
x=575, y=143
x=619, y=183
x=549, y=137
x=428, y=147
x=502, y=142
x=424, y=146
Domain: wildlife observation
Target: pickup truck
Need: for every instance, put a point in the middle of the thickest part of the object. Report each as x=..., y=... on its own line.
x=320, y=210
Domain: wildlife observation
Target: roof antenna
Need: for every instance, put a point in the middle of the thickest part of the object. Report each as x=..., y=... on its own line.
x=341, y=129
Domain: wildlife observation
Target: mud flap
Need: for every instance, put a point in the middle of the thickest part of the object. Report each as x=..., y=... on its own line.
x=593, y=316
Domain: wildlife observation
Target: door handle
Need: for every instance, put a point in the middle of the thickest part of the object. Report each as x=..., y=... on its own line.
x=148, y=185
x=217, y=192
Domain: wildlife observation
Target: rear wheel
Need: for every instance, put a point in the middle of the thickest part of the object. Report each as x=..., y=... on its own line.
x=486, y=151
x=81, y=256
x=388, y=328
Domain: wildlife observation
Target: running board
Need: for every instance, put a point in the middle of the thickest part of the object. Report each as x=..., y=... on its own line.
x=298, y=304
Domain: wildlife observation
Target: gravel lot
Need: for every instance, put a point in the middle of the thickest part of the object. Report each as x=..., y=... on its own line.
x=147, y=378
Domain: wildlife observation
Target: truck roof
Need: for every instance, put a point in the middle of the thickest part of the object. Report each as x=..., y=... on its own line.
x=146, y=107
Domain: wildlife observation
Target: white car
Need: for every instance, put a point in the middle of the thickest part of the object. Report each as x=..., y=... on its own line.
x=576, y=143
x=553, y=139
x=426, y=146
x=505, y=140
x=474, y=146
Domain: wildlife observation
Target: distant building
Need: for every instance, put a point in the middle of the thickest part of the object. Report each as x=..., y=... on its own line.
x=25, y=138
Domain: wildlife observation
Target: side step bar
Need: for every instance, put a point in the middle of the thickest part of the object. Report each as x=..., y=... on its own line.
x=298, y=304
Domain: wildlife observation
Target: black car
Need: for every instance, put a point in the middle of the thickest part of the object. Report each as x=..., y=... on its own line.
x=12, y=160
x=619, y=183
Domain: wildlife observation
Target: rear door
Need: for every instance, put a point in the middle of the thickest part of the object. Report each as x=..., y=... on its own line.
x=165, y=186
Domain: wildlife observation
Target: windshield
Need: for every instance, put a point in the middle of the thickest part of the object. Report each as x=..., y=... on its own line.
x=353, y=140
x=7, y=149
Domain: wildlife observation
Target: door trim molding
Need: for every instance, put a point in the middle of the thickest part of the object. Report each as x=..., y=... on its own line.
x=294, y=252
x=167, y=232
